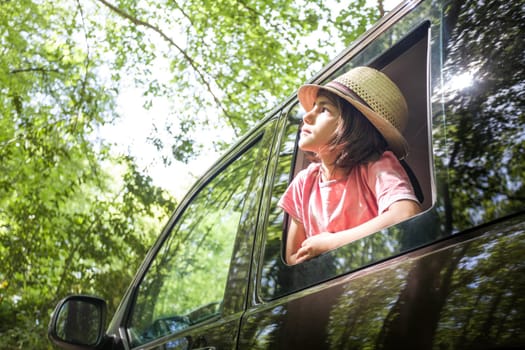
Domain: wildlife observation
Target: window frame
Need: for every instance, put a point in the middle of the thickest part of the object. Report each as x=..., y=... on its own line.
x=303, y=272
x=256, y=138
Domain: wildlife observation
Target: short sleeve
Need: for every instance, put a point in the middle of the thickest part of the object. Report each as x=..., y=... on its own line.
x=390, y=182
x=293, y=199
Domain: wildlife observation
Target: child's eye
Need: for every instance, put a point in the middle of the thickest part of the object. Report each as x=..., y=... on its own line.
x=327, y=110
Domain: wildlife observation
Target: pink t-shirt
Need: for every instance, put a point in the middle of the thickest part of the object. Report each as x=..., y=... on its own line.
x=338, y=205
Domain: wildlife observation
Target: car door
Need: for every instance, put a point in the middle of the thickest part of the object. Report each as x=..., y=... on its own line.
x=193, y=291
x=453, y=276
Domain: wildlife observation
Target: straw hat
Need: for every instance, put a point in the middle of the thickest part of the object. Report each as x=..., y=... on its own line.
x=374, y=95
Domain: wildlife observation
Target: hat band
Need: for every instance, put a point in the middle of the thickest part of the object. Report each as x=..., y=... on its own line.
x=346, y=90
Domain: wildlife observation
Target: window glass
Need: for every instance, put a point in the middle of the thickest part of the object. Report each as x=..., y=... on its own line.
x=479, y=124
x=186, y=281
x=273, y=251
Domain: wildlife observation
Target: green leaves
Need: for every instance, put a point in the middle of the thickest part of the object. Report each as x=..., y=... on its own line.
x=67, y=223
x=75, y=217
x=227, y=57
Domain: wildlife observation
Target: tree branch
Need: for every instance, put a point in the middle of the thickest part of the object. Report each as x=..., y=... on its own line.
x=278, y=28
x=34, y=69
x=87, y=60
x=190, y=60
x=381, y=8
x=183, y=13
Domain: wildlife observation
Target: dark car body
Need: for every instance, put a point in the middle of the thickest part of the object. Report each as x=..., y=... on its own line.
x=452, y=277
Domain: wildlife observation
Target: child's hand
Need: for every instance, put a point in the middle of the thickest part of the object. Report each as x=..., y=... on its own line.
x=314, y=246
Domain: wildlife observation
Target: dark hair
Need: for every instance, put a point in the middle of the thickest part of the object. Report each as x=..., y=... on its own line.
x=356, y=140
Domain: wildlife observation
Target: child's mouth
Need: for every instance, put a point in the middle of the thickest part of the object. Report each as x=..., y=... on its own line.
x=305, y=131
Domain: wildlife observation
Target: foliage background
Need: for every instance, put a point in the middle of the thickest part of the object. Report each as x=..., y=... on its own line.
x=77, y=214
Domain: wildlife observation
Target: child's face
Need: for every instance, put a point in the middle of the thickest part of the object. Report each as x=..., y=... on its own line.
x=319, y=126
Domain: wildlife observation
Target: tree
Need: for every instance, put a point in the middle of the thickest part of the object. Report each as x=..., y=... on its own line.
x=75, y=216
x=231, y=61
x=66, y=223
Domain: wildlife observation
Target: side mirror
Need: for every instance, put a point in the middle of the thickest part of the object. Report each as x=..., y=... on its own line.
x=78, y=322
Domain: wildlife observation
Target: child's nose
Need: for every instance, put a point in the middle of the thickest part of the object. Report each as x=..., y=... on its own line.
x=309, y=117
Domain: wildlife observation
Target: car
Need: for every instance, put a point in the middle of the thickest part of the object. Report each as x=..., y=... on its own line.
x=450, y=277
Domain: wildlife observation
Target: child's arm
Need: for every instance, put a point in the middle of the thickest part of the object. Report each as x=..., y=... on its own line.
x=324, y=242
x=296, y=236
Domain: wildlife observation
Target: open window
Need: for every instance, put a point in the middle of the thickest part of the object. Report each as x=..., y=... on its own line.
x=406, y=63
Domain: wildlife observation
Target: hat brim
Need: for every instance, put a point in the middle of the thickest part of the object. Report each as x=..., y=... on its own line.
x=397, y=143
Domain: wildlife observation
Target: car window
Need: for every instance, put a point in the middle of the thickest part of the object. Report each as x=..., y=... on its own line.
x=479, y=121
x=407, y=57
x=185, y=283
x=470, y=162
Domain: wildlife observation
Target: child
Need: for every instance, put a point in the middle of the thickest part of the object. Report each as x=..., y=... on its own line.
x=357, y=185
